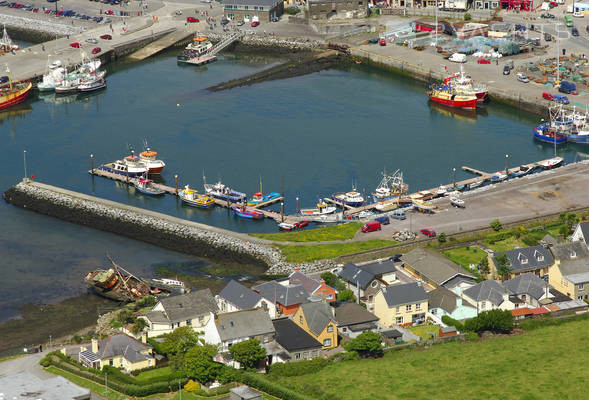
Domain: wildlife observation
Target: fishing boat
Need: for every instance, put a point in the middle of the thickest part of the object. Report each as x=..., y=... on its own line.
x=546, y=133
x=322, y=209
x=129, y=166
x=580, y=131
x=448, y=96
x=476, y=184
x=551, y=163
x=92, y=85
x=464, y=83
x=258, y=198
x=457, y=202
x=118, y=284
x=51, y=78
x=249, y=214
x=148, y=157
x=352, y=198
x=522, y=171
x=147, y=187
x=423, y=206
x=6, y=44
x=222, y=192
x=441, y=191
x=13, y=93
x=283, y=226
x=199, y=46
x=389, y=205
x=194, y=199
x=67, y=86
x=389, y=186
x=498, y=177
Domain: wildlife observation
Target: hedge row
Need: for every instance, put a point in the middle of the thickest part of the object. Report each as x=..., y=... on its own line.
x=298, y=368
x=259, y=382
x=497, y=237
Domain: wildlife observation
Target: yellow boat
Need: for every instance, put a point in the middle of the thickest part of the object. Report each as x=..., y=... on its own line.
x=192, y=198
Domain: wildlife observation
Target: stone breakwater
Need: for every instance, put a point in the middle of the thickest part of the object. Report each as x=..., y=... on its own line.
x=38, y=25
x=159, y=229
x=271, y=43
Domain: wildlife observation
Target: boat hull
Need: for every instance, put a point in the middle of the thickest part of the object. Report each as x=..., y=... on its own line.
x=148, y=192
x=482, y=96
x=131, y=174
x=198, y=204
x=578, y=139
x=248, y=214
x=15, y=98
x=541, y=137
x=464, y=104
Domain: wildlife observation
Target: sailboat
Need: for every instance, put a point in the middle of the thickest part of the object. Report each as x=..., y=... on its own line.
x=6, y=44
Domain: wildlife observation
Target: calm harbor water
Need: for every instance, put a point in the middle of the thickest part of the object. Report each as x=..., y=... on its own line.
x=319, y=134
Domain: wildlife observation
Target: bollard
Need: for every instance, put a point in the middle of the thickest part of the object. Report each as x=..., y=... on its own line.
x=281, y=211
x=92, y=163
x=176, y=179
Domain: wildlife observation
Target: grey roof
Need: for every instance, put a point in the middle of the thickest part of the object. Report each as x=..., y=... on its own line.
x=24, y=385
x=298, y=278
x=265, y=3
x=352, y=314
x=285, y=295
x=123, y=345
x=403, y=294
x=189, y=305
x=457, y=281
x=356, y=276
x=444, y=299
x=292, y=337
x=380, y=267
x=527, y=283
x=585, y=230
x=391, y=334
x=433, y=265
x=246, y=393
x=549, y=240
x=246, y=323
x=240, y=296
x=528, y=258
x=368, y=326
x=448, y=329
x=574, y=267
x=579, y=278
x=317, y=315
x=487, y=291
x=570, y=251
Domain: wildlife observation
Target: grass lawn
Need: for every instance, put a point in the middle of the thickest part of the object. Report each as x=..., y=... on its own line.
x=189, y=396
x=145, y=375
x=85, y=383
x=546, y=363
x=465, y=257
x=335, y=232
x=294, y=253
x=425, y=331
x=504, y=245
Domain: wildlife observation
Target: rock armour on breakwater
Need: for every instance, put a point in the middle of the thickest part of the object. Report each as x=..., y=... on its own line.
x=48, y=28
x=151, y=227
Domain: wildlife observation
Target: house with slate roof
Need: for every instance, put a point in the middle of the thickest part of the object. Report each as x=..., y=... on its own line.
x=581, y=233
x=120, y=351
x=534, y=259
x=238, y=326
x=286, y=298
x=442, y=301
x=529, y=288
x=297, y=344
x=432, y=268
x=352, y=319
x=385, y=270
x=236, y=297
x=363, y=283
x=569, y=251
x=401, y=304
x=195, y=309
x=489, y=295
x=571, y=277
x=316, y=288
x=318, y=321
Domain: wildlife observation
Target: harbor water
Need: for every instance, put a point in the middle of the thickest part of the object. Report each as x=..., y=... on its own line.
x=311, y=136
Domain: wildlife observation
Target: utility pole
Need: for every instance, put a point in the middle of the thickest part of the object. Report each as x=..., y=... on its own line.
x=106, y=385
x=557, y=55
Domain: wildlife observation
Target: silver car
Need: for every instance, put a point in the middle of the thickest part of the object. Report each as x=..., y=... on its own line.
x=92, y=40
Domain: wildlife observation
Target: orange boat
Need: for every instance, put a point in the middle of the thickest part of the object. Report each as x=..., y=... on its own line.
x=12, y=94
x=451, y=98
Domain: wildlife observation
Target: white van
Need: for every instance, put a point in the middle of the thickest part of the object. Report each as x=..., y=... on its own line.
x=398, y=214
x=458, y=57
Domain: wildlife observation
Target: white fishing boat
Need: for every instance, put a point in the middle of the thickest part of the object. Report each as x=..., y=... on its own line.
x=67, y=86
x=149, y=158
x=222, y=192
x=92, y=85
x=457, y=202
x=551, y=163
x=441, y=190
x=199, y=45
x=389, y=186
x=52, y=78
x=129, y=166
x=499, y=176
x=352, y=198
x=476, y=184
x=424, y=206
x=322, y=209
x=389, y=205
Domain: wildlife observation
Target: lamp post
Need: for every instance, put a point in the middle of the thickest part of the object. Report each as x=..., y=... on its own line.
x=507, y=164
x=454, y=171
x=24, y=155
x=50, y=344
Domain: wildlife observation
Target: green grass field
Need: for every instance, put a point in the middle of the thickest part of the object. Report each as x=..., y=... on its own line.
x=425, y=331
x=325, y=234
x=297, y=253
x=547, y=363
x=464, y=257
x=152, y=373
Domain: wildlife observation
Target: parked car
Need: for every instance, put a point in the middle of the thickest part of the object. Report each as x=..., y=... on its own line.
x=458, y=57
x=192, y=19
x=396, y=257
x=428, y=232
x=384, y=220
x=240, y=23
x=547, y=16
x=302, y=224
x=567, y=87
x=371, y=227
x=106, y=37
x=109, y=12
x=578, y=15
x=559, y=98
x=547, y=37
x=399, y=214
x=547, y=96
x=382, y=42
x=506, y=70
x=255, y=23
x=483, y=61
x=76, y=45
x=92, y=40
x=523, y=78
x=96, y=50
x=575, y=32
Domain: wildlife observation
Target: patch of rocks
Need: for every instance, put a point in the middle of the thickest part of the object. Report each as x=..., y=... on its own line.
x=39, y=25
x=270, y=40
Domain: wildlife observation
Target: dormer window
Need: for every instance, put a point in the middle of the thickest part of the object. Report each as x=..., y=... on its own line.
x=573, y=254
x=522, y=259
x=539, y=256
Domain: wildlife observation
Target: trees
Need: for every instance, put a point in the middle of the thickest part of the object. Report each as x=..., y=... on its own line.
x=366, y=344
x=502, y=263
x=493, y=320
x=496, y=225
x=248, y=353
x=330, y=279
x=346, y=295
x=442, y=237
x=485, y=266
x=199, y=364
x=179, y=341
x=138, y=326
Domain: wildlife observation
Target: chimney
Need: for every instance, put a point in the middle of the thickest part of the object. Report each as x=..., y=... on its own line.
x=144, y=337
x=459, y=301
x=458, y=291
x=297, y=269
x=95, y=345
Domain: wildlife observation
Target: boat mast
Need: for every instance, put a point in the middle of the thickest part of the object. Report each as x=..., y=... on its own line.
x=118, y=268
x=8, y=73
x=261, y=185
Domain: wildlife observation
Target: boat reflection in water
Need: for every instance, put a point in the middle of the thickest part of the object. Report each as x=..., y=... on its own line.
x=13, y=112
x=458, y=113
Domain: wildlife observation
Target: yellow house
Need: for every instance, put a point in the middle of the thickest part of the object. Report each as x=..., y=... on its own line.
x=318, y=321
x=571, y=277
x=120, y=351
x=401, y=304
x=534, y=259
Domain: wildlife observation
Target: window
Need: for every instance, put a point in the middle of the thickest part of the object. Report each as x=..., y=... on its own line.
x=188, y=322
x=297, y=356
x=201, y=319
x=580, y=298
x=398, y=310
x=580, y=287
x=265, y=338
x=330, y=297
x=434, y=311
x=345, y=329
x=305, y=355
x=255, y=8
x=111, y=362
x=246, y=7
x=329, y=328
x=408, y=307
x=327, y=342
x=483, y=305
x=370, y=298
x=374, y=284
x=301, y=319
x=265, y=306
x=261, y=8
x=399, y=320
x=360, y=3
x=418, y=307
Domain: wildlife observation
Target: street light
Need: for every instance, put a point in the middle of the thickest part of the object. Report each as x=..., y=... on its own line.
x=24, y=155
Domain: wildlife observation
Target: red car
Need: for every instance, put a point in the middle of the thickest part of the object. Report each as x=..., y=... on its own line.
x=192, y=19
x=428, y=232
x=109, y=12
x=547, y=96
x=76, y=45
x=371, y=227
x=302, y=224
x=96, y=50
x=106, y=37
x=255, y=23
x=382, y=42
x=483, y=61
